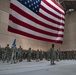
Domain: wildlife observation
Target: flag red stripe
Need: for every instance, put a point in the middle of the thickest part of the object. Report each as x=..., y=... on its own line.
x=61, y=24
x=58, y=4
x=15, y=8
x=55, y=15
x=51, y=6
x=15, y=20
x=32, y=36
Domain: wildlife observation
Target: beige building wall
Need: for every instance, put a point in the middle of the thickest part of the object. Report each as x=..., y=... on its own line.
x=69, y=40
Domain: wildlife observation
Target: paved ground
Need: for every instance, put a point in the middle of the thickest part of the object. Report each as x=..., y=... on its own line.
x=66, y=67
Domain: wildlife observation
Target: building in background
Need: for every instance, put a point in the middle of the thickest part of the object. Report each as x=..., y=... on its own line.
x=6, y=37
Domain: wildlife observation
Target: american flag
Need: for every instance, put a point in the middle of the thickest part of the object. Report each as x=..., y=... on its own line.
x=38, y=19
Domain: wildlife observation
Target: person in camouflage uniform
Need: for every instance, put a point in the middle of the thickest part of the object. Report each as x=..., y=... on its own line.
x=7, y=48
x=29, y=55
x=20, y=53
x=48, y=55
x=33, y=54
x=0, y=53
x=37, y=55
x=57, y=55
x=41, y=55
x=14, y=54
x=5, y=54
x=74, y=55
x=52, y=51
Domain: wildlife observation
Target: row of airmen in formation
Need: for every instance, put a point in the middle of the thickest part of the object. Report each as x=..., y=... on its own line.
x=15, y=54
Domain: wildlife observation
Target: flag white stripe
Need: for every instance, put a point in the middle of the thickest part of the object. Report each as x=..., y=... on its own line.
x=50, y=16
x=36, y=16
x=25, y=20
x=15, y=26
x=53, y=4
x=51, y=10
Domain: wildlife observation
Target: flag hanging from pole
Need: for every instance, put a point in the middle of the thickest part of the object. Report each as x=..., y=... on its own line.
x=38, y=19
x=14, y=43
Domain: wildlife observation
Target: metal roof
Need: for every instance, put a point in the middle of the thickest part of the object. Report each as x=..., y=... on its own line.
x=69, y=5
